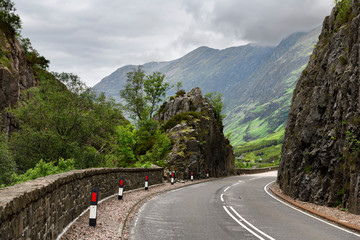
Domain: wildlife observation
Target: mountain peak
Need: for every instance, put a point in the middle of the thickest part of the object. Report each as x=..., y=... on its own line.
x=248, y=76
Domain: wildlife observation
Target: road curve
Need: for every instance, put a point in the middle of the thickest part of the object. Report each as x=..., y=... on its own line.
x=237, y=207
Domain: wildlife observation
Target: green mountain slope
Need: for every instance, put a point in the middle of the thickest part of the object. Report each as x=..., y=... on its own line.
x=256, y=81
x=260, y=106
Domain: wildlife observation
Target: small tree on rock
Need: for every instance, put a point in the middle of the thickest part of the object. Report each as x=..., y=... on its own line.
x=143, y=94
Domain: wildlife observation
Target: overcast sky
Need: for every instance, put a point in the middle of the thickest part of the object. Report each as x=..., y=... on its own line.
x=92, y=38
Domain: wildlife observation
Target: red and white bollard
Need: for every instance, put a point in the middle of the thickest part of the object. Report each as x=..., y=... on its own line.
x=146, y=182
x=207, y=173
x=93, y=207
x=172, y=178
x=192, y=176
x=121, y=188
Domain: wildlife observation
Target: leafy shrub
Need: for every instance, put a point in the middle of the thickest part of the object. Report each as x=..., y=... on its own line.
x=7, y=163
x=216, y=102
x=125, y=145
x=159, y=151
x=141, y=147
x=42, y=169
x=342, y=60
x=344, y=11
x=180, y=93
x=32, y=56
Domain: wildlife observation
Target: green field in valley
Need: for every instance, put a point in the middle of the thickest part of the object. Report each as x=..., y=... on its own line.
x=263, y=152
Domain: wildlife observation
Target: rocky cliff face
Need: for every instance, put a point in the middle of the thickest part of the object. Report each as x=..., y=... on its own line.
x=15, y=76
x=320, y=158
x=199, y=142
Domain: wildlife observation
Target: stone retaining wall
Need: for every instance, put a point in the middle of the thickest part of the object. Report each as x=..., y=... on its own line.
x=42, y=208
x=254, y=170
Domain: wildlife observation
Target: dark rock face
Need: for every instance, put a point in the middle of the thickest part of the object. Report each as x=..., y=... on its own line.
x=14, y=78
x=199, y=142
x=320, y=159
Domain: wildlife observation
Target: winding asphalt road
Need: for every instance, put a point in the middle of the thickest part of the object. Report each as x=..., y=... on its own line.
x=238, y=207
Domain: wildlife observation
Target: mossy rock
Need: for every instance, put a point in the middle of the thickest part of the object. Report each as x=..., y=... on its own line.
x=176, y=119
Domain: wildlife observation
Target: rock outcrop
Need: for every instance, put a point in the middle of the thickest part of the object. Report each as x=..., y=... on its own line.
x=199, y=142
x=320, y=158
x=15, y=76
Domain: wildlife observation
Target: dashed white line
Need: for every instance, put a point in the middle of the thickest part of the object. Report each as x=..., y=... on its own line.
x=343, y=229
x=226, y=189
x=221, y=197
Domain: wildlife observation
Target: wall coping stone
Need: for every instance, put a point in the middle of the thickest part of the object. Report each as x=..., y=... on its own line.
x=15, y=198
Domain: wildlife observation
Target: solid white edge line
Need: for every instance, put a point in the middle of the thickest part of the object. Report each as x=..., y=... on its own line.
x=221, y=197
x=226, y=189
x=252, y=226
x=241, y=224
x=308, y=214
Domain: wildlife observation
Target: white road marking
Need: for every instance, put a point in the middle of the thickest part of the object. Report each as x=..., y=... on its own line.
x=221, y=197
x=241, y=224
x=252, y=226
x=226, y=189
x=333, y=225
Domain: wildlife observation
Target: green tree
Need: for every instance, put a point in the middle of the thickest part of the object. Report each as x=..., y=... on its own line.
x=155, y=90
x=126, y=145
x=147, y=144
x=10, y=22
x=142, y=96
x=215, y=100
x=179, y=85
x=134, y=95
x=32, y=56
x=64, y=120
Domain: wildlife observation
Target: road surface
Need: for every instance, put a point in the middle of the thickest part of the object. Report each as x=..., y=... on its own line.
x=239, y=207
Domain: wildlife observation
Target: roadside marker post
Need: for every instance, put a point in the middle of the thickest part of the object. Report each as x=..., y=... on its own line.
x=93, y=207
x=192, y=176
x=172, y=178
x=146, y=182
x=207, y=173
x=121, y=188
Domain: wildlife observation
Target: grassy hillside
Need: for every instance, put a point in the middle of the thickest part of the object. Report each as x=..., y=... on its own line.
x=263, y=152
x=256, y=82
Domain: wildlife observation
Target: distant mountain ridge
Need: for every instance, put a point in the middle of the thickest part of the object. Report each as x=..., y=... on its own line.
x=256, y=81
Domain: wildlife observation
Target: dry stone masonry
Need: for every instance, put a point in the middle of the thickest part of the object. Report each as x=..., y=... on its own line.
x=320, y=158
x=42, y=208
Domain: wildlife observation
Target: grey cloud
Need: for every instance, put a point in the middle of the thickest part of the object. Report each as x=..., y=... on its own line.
x=267, y=22
x=91, y=37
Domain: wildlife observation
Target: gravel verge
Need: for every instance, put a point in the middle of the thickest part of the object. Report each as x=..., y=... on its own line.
x=114, y=216
x=336, y=215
